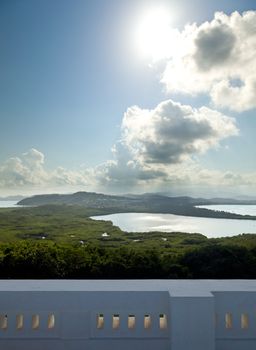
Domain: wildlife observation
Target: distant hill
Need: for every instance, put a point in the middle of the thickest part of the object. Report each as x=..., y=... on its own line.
x=148, y=202
x=92, y=199
x=236, y=201
x=87, y=199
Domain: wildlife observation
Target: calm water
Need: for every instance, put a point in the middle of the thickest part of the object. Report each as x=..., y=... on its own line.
x=143, y=222
x=8, y=204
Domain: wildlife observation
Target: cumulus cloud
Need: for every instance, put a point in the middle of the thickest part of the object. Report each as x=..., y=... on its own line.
x=118, y=175
x=123, y=172
x=28, y=172
x=212, y=56
x=213, y=46
x=157, y=146
x=25, y=170
x=181, y=178
x=172, y=132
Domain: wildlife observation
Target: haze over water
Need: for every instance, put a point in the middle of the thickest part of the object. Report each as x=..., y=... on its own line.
x=8, y=204
x=236, y=209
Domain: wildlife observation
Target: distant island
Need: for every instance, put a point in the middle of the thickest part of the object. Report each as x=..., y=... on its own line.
x=100, y=204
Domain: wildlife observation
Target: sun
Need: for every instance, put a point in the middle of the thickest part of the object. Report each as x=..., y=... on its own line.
x=153, y=33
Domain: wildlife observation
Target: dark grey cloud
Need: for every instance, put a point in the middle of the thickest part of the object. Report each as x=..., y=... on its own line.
x=124, y=171
x=214, y=46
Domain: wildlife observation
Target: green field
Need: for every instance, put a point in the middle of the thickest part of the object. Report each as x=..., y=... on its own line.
x=72, y=224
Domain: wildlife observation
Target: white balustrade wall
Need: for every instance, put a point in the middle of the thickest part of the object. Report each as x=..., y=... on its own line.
x=152, y=314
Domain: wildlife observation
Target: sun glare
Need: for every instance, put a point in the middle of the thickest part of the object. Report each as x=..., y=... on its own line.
x=153, y=32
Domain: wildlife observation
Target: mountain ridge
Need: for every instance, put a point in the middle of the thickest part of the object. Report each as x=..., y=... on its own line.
x=147, y=202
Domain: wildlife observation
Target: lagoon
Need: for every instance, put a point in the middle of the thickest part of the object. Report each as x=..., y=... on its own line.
x=145, y=222
x=212, y=228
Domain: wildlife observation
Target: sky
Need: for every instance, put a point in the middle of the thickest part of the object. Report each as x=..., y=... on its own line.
x=128, y=96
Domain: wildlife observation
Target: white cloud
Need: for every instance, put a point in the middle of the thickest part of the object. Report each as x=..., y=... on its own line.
x=120, y=175
x=172, y=132
x=157, y=146
x=219, y=58
x=28, y=172
x=157, y=151
x=185, y=178
x=23, y=171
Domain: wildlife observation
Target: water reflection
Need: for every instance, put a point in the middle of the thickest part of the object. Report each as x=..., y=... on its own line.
x=144, y=222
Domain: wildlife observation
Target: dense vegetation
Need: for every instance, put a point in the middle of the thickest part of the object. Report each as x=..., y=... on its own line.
x=50, y=260
x=63, y=242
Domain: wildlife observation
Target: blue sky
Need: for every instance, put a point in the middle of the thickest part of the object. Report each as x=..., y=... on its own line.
x=69, y=72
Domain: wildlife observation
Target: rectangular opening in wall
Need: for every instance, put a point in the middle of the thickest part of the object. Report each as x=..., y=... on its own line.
x=51, y=321
x=100, y=321
x=216, y=320
x=228, y=320
x=147, y=321
x=35, y=321
x=19, y=321
x=3, y=321
x=244, y=321
x=162, y=321
x=131, y=321
x=115, y=321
